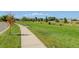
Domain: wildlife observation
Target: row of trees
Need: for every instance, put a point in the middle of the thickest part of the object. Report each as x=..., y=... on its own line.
x=46, y=19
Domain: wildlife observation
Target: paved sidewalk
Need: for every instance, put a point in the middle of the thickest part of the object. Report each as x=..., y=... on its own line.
x=28, y=39
x=3, y=27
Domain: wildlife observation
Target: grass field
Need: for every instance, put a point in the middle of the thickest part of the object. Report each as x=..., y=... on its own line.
x=65, y=36
x=12, y=40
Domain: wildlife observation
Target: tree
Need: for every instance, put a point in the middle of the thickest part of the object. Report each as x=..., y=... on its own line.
x=3, y=18
x=41, y=19
x=51, y=18
x=17, y=19
x=65, y=20
x=25, y=19
x=36, y=19
x=46, y=19
x=74, y=20
x=10, y=20
x=56, y=20
x=33, y=19
x=61, y=19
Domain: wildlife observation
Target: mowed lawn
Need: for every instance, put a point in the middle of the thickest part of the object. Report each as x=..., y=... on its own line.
x=11, y=40
x=65, y=36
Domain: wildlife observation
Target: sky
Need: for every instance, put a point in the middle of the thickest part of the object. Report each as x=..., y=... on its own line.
x=58, y=14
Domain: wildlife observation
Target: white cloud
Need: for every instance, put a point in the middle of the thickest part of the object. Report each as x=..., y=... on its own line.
x=34, y=14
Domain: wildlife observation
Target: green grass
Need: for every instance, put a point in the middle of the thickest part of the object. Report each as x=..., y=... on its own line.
x=12, y=40
x=54, y=35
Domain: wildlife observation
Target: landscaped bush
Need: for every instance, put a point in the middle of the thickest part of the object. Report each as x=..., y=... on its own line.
x=49, y=23
x=61, y=24
x=77, y=22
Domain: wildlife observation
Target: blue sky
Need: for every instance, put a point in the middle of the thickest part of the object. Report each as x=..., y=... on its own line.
x=58, y=14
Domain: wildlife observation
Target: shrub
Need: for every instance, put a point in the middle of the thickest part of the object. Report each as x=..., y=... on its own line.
x=77, y=22
x=53, y=23
x=57, y=20
x=61, y=24
x=49, y=23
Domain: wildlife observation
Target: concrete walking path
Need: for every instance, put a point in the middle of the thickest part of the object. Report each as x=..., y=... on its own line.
x=3, y=27
x=28, y=39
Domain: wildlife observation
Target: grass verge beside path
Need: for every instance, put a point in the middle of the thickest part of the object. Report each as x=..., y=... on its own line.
x=65, y=36
x=12, y=40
